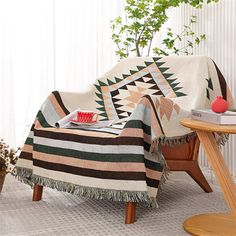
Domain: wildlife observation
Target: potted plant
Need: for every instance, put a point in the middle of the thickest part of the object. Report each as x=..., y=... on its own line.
x=134, y=34
x=8, y=159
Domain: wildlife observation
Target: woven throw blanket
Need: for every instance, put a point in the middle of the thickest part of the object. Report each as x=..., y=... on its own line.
x=149, y=96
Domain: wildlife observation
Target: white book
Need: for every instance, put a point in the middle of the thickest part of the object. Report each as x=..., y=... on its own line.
x=226, y=118
x=98, y=124
x=63, y=123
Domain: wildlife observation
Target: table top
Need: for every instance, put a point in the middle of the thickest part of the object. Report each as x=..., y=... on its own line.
x=206, y=126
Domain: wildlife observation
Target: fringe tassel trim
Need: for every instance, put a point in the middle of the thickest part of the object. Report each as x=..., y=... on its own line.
x=171, y=141
x=165, y=171
x=25, y=175
x=223, y=139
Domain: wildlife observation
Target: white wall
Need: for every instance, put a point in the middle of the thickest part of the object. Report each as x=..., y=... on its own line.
x=48, y=45
x=83, y=46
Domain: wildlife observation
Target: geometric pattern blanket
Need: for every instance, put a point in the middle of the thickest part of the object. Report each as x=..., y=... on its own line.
x=149, y=96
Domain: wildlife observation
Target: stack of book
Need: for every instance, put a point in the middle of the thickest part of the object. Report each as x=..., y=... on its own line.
x=226, y=118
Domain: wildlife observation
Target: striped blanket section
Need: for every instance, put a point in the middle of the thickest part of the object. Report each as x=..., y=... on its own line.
x=127, y=164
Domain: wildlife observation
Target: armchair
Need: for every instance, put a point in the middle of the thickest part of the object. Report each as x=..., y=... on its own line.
x=148, y=96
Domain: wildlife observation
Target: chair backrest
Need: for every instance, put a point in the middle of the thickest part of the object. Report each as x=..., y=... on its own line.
x=190, y=81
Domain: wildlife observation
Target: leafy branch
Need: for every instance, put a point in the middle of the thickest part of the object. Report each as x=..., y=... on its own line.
x=172, y=39
x=143, y=20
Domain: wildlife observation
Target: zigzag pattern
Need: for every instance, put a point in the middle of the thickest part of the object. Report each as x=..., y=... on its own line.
x=117, y=97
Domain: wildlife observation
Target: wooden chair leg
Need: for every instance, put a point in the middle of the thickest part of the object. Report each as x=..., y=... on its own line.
x=130, y=212
x=37, y=193
x=193, y=169
x=199, y=178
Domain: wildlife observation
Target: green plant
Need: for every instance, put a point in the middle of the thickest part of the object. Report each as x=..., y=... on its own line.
x=170, y=42
x=143, y=20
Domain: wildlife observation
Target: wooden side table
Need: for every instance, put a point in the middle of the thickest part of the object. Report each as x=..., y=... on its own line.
x=214, y=223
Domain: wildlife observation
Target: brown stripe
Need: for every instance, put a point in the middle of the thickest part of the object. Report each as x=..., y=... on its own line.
x=59, y=100
x=124, y=175
x=136, y=133
x=95, y=165
x=26, y=155
x=27, y=148
x=81, y=132
x=101, y=131
x=222, y=82
x=88, y=139
x=230, y=99
x=57, y=108
x=155, y=112
x=155, y=125
x=152, y=174
x=37, y=126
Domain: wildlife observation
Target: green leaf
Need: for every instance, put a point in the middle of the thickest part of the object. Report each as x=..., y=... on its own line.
x=202, y=36
x=143, y=19
x=197, y=40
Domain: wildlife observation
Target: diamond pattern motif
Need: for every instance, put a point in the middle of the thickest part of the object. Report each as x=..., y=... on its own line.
x=117, y=97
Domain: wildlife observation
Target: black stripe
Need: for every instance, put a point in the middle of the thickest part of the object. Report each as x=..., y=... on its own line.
x=223, y=85
x=106, y=157
x=29, y=141
x=94, y=130
x=155, y=112
x=59, y=100
x=41, y=119
x=120, y=140
x=32, y=127
x=26, y=155
x=147, y=146
x=152, y=182
x=153, y=165
x=120, y=175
